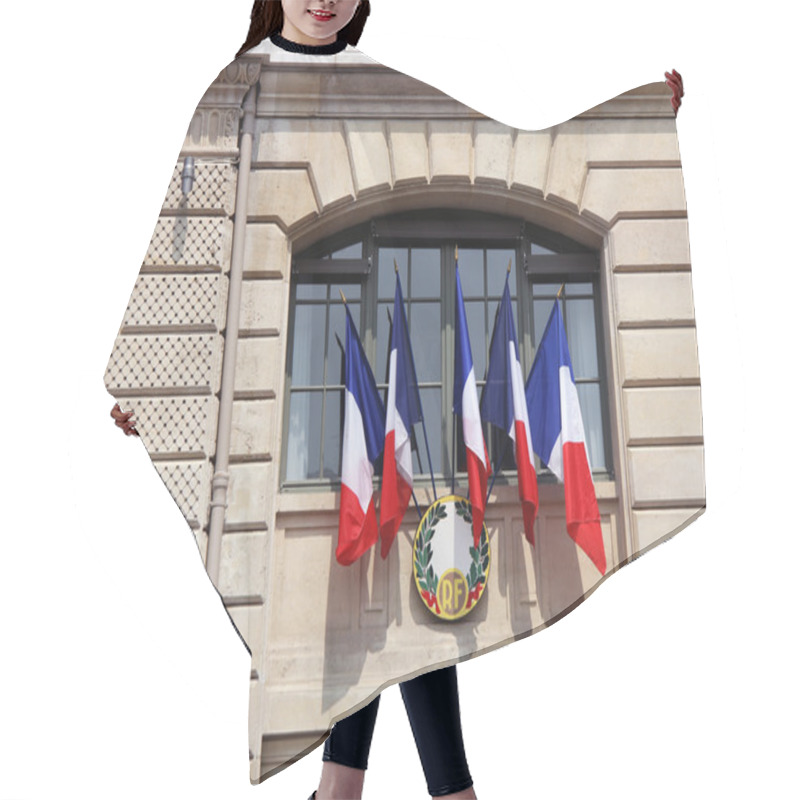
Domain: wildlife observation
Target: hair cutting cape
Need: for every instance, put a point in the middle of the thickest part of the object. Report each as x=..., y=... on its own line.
x=304, y=177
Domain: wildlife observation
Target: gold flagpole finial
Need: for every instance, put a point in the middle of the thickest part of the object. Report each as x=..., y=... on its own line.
x=560, y=291
x=508, y=271
x=456, y=252
x=396, y=270
x=344, y=299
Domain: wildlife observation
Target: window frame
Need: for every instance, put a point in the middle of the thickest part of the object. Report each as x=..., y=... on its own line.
x=441, y=229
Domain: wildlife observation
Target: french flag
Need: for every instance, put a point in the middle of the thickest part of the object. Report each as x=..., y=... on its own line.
x=465, y=403
x=558, y=436
x=503, y=404
x=362, y=442
x=403, y=409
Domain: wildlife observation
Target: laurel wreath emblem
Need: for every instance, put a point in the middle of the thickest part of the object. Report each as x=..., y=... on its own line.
x=423, y=552
x=480, y=554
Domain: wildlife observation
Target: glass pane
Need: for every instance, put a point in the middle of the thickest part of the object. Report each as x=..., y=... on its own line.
x=351, y=291
x=497, y=266
x=308, y=353
x=425, y=329
x=478, y=336
x=541, y=313
x=470, y=267
x=386, y=259
x=589, y=399
x=426, y=269
x=311, y=291
x=581, y=335
x=573, y=289
x=546, y=289
x=336, y=342
x=331, y=443
x=351, y=251
x=432, y=410
x=538, y=250
x=305, y=429
x=382, y=356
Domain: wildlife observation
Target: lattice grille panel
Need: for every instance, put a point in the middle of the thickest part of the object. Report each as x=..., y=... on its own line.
x=162, y=362
x=174, y=425
x=211, y=189
x=186, y=241
x=188, y=484
x=173, y=300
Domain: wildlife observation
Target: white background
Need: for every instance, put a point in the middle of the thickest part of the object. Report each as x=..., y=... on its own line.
x=120, y=674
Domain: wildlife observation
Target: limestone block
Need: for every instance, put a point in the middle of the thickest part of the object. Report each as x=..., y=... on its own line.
x=531, y=153
x=663, y=297
x=408, y=143
x=567, y=573
x=247, y=494
x=262, y=306
x=266, y=251
x=214, y=188
x=259, y=366
x=667, y=475
x=309, y=580
x=451, y=150
x=663, y=413
x=253, y=428
x=178, y=427
x=580, y=143
x=650, y=243
x=189, y=483
x=653, y=526
x=187, y=301
x=319, y=143
x=242, y=565
x=152, y=364
x=658, y=355
x=249, y=621
x=182, y=241
x=369, y=151
x=285, y=194
x=493, y=147
x=611, y=192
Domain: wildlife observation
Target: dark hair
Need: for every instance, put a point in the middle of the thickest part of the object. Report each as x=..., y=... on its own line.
x=266, y=18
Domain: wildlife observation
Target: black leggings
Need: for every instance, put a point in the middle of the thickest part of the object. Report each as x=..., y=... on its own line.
x=432, y=706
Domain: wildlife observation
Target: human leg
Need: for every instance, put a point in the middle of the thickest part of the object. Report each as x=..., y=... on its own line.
x=346, y=754
x=432, y=705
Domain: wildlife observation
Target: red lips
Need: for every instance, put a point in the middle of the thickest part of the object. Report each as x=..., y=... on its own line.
x=322, y=16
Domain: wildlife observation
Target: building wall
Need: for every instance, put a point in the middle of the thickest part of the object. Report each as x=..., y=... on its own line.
x=336, y=145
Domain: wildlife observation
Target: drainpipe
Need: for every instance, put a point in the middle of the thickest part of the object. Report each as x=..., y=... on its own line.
x=219, y=483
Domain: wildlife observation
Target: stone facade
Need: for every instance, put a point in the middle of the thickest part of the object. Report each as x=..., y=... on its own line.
x=339, y=142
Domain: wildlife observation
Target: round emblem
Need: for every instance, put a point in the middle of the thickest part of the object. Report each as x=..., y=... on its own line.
x=450, y=572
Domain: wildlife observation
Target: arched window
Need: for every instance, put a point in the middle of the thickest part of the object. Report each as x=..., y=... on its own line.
x=360, y=264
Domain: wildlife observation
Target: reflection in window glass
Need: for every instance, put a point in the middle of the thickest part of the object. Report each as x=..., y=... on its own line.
x=352, y=251
x=386, y=260
x=591, y=412
x=581, y=336
x=305, y=432
x=425, y=331
x=470, y=267
x=426, y=273
x=497, y=268
x=331, y=445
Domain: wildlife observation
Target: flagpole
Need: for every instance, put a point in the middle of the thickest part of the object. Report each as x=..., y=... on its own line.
x=455, y=435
